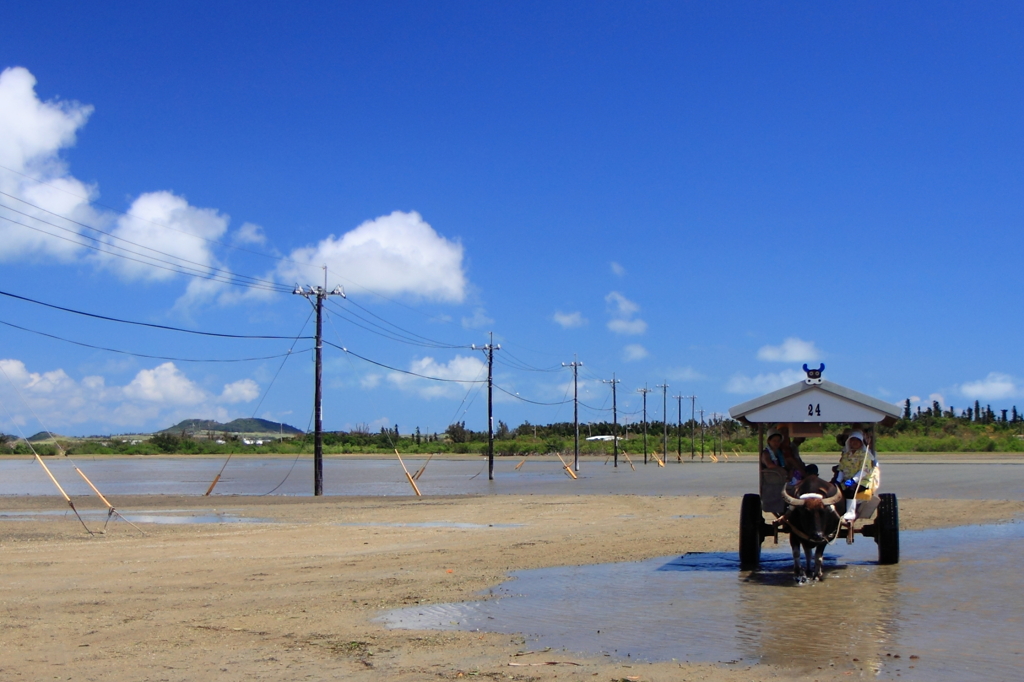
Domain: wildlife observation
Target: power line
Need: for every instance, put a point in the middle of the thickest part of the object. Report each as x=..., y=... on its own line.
x=148, y=324
x=404, y=371
x=527, y=400
x=388, y=334
x=143, y=355
x=203, y=270
x=401, y=329
x=153, y=222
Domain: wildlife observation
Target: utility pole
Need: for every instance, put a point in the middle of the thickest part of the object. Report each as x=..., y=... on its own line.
x=693, y=423
x=644, y=391
x=575, y=364
x=615, y=420
x=702, y=434
x=320, y=293
x=664, y=421
x=489, y=349
x=679, y=429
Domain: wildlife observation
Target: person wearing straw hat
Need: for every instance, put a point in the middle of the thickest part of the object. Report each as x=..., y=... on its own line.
x=857, y=473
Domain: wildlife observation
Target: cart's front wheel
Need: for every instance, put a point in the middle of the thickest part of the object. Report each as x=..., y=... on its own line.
x=751, y=521
x=887, y=530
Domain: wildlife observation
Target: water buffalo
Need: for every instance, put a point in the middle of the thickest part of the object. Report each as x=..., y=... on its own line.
x=812, y=521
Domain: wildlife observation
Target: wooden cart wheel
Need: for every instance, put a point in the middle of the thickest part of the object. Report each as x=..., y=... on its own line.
x=751, y=522
x=887, y=530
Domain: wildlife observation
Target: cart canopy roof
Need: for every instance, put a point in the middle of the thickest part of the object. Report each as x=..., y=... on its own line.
x=815, y=401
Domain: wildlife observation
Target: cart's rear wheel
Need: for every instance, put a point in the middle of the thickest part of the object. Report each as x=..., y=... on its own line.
x=887, y=530
x=751, y=521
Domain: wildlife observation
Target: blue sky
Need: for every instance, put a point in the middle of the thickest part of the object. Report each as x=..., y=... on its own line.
x=706, y=195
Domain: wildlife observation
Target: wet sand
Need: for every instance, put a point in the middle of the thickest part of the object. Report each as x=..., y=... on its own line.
x=296, y=599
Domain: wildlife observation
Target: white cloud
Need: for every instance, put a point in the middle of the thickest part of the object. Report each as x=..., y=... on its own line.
x=249, y=233
x=34, y=133
x=159, y=226
x=241, y=391
x=628, y=327
x=996, y=386
x=460, y=369
x=618, y=270
x=569, y=320
x=165, y=223
x=370, y=381
x=623, y=313
x=165, y=384
x=394, y=254
x=157, y=397
x=791, y=350
x=684, y=374
x=763, y=383
x=633, y=352
x=478, y=320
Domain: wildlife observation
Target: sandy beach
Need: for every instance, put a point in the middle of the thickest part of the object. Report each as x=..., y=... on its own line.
x=296, y=598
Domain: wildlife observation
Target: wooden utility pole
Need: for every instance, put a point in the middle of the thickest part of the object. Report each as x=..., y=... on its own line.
x=702, y=434
x=489, y=349
x=320, y=293
x=644, y=391
x=679, y=429
x=575, y=364
x=615, y=420
x=664, y=421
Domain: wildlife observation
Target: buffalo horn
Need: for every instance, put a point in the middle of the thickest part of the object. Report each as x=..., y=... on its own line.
x=790, y=500
x=829, y=501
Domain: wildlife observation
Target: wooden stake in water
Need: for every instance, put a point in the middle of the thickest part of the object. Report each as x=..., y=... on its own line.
x=568, y=469
x=423, y=468
x=408, y=475
x=110, y=508
x=217, y=477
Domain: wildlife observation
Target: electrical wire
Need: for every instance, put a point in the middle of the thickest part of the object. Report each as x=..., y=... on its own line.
x=386, y=333
x=153, y=222
x=202, y=272
x=403, y=330
x=527, y=400
x=147, y=324
x=143, y=355
x=403, y=371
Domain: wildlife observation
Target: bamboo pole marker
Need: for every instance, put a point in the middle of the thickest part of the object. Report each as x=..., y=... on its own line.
x=408, y=475
x=568, y=469
x=423, y=468
x=657, y=459
x=217, y=477
x=66, y=497
x=521, y=463
x=626, y=455
x=110, y=508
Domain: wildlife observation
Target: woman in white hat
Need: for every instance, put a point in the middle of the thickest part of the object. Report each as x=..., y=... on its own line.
x=857, y=472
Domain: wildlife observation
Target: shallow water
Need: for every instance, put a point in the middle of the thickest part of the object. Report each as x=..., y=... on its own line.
x=458, y=525
x=183, y=475
x=950, y=610
x=176, y=516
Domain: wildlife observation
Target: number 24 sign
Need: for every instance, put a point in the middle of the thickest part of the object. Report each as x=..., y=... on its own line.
x=814, y=410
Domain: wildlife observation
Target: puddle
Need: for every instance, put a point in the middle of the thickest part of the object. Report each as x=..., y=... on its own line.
x=953, y=604
x=157, y=516
x=435, y=524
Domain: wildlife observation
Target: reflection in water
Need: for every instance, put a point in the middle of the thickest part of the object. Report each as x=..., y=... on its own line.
x=950, y=610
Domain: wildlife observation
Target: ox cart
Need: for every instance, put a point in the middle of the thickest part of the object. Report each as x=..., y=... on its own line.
x=804, y=408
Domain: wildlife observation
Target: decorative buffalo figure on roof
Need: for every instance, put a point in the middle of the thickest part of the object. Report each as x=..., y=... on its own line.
x=813, y=522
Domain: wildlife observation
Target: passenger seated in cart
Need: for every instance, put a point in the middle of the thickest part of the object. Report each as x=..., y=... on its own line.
x=857, y=473
x=778, y=454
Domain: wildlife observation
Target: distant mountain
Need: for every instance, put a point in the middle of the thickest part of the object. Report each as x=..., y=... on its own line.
x=42, y=436
x=234, y=426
